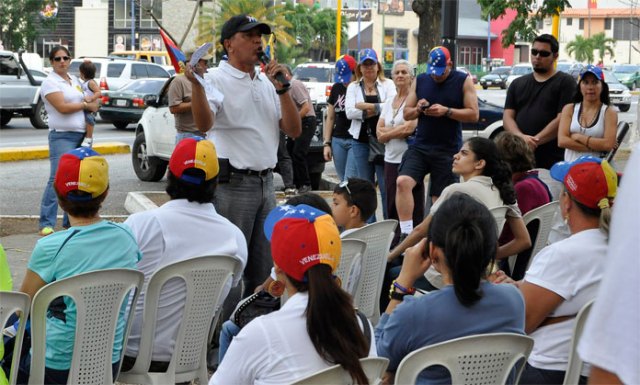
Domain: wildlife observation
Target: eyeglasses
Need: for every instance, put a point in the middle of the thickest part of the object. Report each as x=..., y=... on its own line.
x=61, y=58
x=535, y=52
x=345, y=185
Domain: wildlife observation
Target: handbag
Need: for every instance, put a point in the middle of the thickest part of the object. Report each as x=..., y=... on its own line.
x=254, y=306
x=376, y=150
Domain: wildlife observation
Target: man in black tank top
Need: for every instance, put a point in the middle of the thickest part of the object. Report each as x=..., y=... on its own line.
x=441, y=100
x=535, y=101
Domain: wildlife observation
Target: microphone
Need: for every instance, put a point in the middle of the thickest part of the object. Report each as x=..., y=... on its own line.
x=264, y=59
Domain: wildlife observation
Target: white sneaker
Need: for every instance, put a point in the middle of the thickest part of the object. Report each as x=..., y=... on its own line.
x=87, y=142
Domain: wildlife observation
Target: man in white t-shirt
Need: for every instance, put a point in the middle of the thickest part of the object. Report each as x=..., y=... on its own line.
x=187, y=226
x=611, y=338
x=249, y=111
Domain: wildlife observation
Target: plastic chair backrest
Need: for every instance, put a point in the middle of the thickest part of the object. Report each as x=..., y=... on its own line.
x=205, y=279
x=373, y=367
x=500, y=215
x=351, y=262
x=11, y=302
x=572, y=375
x=378, y=237
x=99, y=296
x=477, y=359
x=555, y=187
x=544, y=214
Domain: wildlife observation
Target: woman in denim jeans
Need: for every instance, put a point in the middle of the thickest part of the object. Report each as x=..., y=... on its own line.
x=337, y=139
x=65, y=106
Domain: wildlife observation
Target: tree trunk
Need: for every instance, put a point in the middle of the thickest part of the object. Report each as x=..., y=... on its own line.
x=429, y=34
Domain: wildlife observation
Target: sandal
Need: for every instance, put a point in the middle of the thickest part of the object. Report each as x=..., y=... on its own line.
x=48, y=230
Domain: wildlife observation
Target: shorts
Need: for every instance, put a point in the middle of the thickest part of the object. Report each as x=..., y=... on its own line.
x=90, y=118
x=418, y=162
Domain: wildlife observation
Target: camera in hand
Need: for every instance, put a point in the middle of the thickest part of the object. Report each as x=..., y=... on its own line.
x=264, y=59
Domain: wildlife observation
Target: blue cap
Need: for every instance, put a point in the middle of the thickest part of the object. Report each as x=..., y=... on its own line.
x=595, y=70
x=368, y=54
x=438, y=59
x=343, y=72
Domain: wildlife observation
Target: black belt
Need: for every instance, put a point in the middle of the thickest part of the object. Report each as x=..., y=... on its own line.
x=250, y=172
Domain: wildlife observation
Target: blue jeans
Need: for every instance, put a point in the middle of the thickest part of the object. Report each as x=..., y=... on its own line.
x=184, y=135
x=59, y=143
x=246, y=201
x=229, y=330
x=343, y=157
x=368, y=171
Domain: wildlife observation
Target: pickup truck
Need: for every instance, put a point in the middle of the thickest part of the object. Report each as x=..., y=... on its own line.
x=20, y=91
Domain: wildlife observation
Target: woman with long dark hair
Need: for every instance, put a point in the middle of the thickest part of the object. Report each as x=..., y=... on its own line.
x=461, y=245
x=487, y=178
x=588, y=126
x=317, y=327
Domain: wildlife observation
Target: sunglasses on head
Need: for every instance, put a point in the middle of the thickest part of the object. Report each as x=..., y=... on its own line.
x=61, y=58
x=535, y=52
x=345, y=185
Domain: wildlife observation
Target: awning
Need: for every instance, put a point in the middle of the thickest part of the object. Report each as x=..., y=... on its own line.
x=353, y=27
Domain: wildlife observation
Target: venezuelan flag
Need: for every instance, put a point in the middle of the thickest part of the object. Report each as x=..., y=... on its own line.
x=177, y=56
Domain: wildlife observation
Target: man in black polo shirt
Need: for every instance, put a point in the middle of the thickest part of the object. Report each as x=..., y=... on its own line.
x=535, y=101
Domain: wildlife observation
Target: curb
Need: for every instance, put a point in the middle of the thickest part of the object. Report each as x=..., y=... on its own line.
x=11, y=154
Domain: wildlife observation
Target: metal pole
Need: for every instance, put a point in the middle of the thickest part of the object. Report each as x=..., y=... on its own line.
x=338, y=29
x=133, y=25
x=359, y=19
x=449, y=27
x=489, y=43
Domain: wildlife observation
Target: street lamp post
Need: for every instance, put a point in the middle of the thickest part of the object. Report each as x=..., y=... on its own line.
x=449, y=27
x=133, y=25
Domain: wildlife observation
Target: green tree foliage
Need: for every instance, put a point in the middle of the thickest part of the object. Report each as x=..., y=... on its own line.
x=603, y=44
x=581, y=49
x=18, y=19
x=523, y=27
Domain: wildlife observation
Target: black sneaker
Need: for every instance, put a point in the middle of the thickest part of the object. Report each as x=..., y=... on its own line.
x=304, y=189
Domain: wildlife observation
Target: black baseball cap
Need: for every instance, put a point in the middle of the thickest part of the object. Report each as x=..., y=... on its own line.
x=242, y=23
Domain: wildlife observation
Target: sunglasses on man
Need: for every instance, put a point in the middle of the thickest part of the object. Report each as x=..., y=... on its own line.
x=536, y=52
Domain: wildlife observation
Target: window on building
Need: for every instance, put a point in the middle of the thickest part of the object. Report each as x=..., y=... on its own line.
x=581, y=23
x=154, y=6
x=121, y=13
x=396, y=45
x=470, y=56
x=607, y=23
x=569, y=21
x=626, y=29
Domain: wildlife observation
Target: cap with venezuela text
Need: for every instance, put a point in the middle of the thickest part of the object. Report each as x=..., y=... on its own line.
x=194, y=153
x=589, y=180
x=82, y=170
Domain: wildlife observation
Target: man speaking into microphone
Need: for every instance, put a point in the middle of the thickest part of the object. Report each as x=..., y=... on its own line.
x=243, y=123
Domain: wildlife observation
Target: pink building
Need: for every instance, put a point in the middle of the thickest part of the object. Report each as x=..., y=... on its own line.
x=497, y=26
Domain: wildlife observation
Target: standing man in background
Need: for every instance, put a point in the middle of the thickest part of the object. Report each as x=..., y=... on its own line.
x=535, y=101
x=180, y=103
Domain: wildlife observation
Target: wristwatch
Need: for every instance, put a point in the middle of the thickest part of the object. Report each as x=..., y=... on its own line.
x=449, y=112
x=327, y=143
x=395, y=295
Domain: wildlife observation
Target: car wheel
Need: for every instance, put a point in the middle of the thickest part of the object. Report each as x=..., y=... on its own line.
x=120, y=125
x=39, y=117
x=485, y=87
x=147, y=168
x=496, y=132
x=503, y=86
x=5, y=117
x=624, y=107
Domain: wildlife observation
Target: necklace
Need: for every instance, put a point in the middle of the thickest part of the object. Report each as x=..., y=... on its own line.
x=586, y=122
x=396, y=110
x=370, y=88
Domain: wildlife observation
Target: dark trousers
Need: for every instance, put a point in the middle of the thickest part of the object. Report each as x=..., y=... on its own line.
x=534, y=376
x=285, y=168
x=299, y=148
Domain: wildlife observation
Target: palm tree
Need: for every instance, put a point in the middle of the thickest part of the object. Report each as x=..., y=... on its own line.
x=581, y=49
x=603, y=44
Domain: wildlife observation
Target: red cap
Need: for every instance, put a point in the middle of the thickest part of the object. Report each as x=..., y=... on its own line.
x=589, y=180
x=197, y=153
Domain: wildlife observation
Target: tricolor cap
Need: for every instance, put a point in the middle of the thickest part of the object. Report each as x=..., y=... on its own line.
x=194, y=153
x=82, y=170
x=594, y=70
x=301, y=237
x=589, y=180
x=439, y=57
x=345, y=66
x=368, y=54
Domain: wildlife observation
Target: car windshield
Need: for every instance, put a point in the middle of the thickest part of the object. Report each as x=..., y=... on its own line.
x=610, y=78
x=629, y=68
x=145, y=86
x=521, y=70
x=564, y=67
x=313, y=74
x=500, y=71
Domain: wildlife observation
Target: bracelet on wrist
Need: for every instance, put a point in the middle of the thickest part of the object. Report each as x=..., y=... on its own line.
x=587, y=144
x=84, y=105
x=403, y=289
x=327, y=143
x=283, y=90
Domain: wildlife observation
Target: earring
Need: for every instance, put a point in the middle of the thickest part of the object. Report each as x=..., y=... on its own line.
x=566, y=219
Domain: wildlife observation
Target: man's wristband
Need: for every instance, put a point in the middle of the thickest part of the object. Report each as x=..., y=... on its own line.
x=283, y=90
x=403, y=289
x=327, y=143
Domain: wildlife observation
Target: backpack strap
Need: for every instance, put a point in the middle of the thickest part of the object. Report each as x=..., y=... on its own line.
x=366, y=328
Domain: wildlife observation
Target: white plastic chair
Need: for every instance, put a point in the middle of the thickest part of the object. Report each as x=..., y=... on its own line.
x=378, y=237
x=351, y=263
x=477, y=359
x=11, y=302
x=572, y=376
x=99, y=296
x=205, y=279
x=500, y=215
x=544, y=214
x=373, y=367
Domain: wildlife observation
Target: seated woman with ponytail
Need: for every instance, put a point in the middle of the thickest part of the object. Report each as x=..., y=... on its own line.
x=486, y=178
x=461, y=244
x=318, y=326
